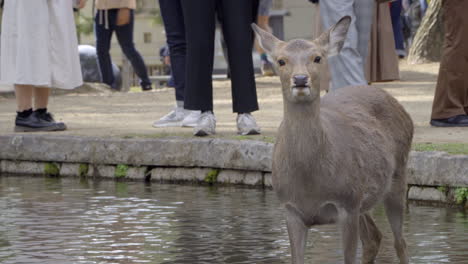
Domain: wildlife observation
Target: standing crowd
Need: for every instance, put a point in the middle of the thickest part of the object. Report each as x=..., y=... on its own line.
x=39, y=51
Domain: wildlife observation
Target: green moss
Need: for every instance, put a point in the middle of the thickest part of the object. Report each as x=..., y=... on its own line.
x=461, y=195
x=83, y=170
x=442, y=189
x=212, y=176
x=451, y=148
x=51, y=169
x=121, y=171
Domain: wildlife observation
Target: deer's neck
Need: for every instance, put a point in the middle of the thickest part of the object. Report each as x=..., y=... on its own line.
x=303, y=127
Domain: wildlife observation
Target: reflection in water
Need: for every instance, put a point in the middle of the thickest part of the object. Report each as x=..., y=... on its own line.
x=51, y=220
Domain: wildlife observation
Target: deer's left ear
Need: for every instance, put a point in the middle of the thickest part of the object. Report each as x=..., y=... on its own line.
x=334, y=38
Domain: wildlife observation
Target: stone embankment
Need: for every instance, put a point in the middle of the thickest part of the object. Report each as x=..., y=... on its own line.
x=433, y=177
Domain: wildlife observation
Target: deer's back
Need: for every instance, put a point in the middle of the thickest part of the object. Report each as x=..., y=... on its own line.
x=365, y=110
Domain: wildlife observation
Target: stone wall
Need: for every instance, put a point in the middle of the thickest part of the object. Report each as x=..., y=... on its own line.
x=435, y=177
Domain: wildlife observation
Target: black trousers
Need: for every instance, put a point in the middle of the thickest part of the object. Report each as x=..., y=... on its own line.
x=171, y=12
x=236, y=17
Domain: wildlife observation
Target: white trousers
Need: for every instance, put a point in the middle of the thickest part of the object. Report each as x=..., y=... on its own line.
x=347, y=68
x=39, y=45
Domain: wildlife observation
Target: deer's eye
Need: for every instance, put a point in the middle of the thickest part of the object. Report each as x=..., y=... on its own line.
x=281, y=62
x=317, y=59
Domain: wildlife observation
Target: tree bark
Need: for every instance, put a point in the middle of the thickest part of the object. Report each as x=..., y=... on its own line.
x=428, y=42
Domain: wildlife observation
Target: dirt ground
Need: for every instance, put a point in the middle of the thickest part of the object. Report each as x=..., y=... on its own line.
x=132, y=114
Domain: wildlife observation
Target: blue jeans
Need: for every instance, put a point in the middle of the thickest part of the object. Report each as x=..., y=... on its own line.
x=171, y=12
x=125, y=37
x=423, y=6
x=395, y=12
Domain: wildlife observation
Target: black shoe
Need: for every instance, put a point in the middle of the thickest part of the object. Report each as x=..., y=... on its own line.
x=454, y=121
x=146, y=87
x=36, y=122
x=44, y=115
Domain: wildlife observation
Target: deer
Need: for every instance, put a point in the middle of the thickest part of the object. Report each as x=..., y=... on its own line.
x=337, y=156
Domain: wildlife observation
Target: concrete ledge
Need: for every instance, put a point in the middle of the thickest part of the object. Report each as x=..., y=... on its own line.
x=193, y=152
x=437, y=169
x=212, y=161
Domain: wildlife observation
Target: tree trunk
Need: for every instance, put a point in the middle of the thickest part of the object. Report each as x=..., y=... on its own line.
x=429, y=39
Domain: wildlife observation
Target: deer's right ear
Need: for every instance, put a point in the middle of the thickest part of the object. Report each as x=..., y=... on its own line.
x=267, y=41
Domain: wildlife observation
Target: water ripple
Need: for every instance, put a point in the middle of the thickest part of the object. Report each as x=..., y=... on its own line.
x=49, y=220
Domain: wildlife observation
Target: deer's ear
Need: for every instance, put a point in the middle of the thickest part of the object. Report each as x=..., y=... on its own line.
x=333, y=39
x=266, y=40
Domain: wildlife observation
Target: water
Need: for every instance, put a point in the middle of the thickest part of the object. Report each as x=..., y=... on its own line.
x=50, y=220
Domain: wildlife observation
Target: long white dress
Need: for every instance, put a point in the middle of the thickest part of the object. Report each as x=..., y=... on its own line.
x=39, y=45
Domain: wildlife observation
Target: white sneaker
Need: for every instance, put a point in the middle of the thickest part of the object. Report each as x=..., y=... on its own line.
x=191, y=118
x=206, y=125
x=173, y=119
x=246, y=125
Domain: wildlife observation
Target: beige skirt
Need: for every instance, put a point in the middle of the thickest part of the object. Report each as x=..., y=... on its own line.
x=39, y=45
x=382, y=61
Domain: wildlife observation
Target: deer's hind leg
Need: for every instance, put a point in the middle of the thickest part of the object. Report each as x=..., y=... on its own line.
x=370, y=238
x=394, y=203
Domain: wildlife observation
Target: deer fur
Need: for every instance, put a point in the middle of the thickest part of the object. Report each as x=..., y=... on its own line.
x=337, y=156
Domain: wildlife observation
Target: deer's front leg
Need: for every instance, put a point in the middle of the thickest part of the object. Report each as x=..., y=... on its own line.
x=297, y=231
x=350, y=232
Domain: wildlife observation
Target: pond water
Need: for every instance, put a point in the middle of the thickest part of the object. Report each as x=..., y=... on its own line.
x=53, y=220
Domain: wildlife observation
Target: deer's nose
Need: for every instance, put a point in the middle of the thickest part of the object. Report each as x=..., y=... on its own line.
x=300, y=80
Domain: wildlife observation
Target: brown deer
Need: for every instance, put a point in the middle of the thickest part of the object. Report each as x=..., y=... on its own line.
x=337, y=156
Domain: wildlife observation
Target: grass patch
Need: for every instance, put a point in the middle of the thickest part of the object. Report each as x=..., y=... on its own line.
x=212, y=176
x=121, y=171
x=51, y=169
x=268, y=139
x=83, y=170
x=451, y=148
x=461, y=195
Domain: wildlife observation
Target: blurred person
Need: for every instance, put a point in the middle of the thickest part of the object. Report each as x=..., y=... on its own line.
x=165, y=58
x=414, y=11
x=118, y=16
x=176, y=56
x=381, y=63
x=236, y=17
x=347, y=68
x=450, y=105
x=39, y=51
x=396, y=13
x=382, y=60
x=263, y=21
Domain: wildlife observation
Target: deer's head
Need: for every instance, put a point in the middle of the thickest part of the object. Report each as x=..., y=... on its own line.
x=298, y=62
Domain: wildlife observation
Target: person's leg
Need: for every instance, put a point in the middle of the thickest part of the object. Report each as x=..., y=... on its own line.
x=238, y=36
x=103, y=44
x=395, y=11
x=364, y=10
x=451, y=89
x=125, y=37
x=347, y=68
x=200, y=15
x=171, y=12
x=263, y=21
x=41, y=97
x=267, y=67
x=28, y=120
x=24, y=95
